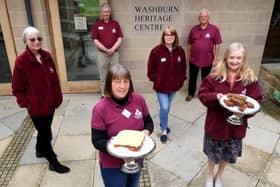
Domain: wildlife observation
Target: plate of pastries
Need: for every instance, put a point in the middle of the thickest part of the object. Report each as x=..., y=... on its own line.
x=239, y=103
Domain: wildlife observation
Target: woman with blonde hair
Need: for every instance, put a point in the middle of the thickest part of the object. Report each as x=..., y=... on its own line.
x=222, y=140
x=167, y=71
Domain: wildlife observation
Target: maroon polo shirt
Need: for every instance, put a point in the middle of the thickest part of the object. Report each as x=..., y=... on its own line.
x=167, y=69
x=202, y=42
x=106, y=33
x=108, y=115
x=216, y=125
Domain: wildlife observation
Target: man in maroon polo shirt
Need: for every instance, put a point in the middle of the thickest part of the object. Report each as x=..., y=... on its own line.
x=107, y=36
x=203, y=50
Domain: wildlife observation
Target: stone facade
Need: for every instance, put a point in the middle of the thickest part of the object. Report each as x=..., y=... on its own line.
x=244, y=21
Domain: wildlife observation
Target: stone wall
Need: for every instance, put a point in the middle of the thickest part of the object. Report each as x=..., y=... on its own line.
x=19, y=21
x=244, y=21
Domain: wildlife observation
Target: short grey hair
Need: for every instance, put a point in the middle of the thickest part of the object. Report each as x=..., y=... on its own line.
x=29, y=30
x=204, y=10
x=105, y=5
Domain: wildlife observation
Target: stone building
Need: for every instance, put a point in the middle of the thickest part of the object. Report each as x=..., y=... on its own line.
x=61, y=21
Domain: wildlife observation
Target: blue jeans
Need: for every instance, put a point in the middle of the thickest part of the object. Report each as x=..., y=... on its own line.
x=114, y=177
x=164, y=100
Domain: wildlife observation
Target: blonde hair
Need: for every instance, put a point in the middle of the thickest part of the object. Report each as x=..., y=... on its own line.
x=245, y=73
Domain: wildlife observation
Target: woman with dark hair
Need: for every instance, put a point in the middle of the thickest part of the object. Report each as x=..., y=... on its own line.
x=167, y=71
x=120, y=109
x=36, y=86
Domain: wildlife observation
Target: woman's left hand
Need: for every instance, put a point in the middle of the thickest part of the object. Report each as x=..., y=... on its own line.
x=146, y=132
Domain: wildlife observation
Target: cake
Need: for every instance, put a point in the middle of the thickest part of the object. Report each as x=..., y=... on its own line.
x=239, y=101
x=131, y=139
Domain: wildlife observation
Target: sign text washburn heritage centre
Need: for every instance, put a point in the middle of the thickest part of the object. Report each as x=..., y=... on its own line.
x=153, y=16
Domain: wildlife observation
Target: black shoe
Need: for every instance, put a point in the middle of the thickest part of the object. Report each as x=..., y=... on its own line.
x=59, y=168
x=39, y=154
x=167, y=130
x=163, y=138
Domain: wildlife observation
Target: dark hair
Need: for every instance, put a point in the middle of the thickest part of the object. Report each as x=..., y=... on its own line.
x=172, y=31
x=117, y=71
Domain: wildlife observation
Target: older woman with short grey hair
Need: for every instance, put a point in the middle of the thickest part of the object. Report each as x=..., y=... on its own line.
x=36, y=86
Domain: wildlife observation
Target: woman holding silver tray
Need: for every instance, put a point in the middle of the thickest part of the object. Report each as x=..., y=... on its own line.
x=120, y=109
x=223, y=136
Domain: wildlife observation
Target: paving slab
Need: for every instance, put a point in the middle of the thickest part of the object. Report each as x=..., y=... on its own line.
x=81, y=175
x=29, y=156
x=261, y=139
x=14, y=120
x=186, y=111
x=74, y=125
x=8, y=106
x=265, y=121
x=160, y=177
x=28, y=175
x=277, y=148
x=74, y=148
x=272, y=172
x=97, y=179
x=4, y=143
x=252, y=161
x=183, y=157
x=231, y=178
x=5, y=131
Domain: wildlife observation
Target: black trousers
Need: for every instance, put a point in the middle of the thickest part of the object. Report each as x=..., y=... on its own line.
x=193, y=72
x=44, y=137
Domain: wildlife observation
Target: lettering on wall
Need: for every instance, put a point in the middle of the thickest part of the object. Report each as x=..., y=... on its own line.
x=151, y=16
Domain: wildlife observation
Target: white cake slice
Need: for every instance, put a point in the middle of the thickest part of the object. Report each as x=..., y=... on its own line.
x=130, y=139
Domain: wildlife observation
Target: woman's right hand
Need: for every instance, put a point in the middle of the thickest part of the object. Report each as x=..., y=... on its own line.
x=219, y=95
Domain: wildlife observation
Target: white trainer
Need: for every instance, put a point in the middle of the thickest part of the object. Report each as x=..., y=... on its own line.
x=209, y=182
x=218, y=183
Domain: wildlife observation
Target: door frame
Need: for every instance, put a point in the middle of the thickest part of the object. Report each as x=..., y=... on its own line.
x=5, y=88
x=59, y=56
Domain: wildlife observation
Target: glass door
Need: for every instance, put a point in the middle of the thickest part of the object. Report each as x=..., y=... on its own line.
x=7, y=51
x=77, y=17
x=5, y=71
x=75, y=53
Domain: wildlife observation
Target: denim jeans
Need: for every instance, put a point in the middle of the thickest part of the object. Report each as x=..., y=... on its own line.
x=114, y=177
x=164, y=100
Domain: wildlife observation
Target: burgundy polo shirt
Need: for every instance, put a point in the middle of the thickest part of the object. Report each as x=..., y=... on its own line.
x=106, y=33
x=108, y=115
x=202, y=42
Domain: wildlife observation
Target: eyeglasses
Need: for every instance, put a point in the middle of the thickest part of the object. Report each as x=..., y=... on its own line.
x=39, y=39
x=169, y=34
x=119, y=82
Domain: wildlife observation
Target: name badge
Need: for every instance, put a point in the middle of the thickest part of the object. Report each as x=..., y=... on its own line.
x=100, y=28
x=126, y=113
x=163, y=59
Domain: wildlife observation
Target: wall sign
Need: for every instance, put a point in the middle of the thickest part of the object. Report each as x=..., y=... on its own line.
x=151, y=16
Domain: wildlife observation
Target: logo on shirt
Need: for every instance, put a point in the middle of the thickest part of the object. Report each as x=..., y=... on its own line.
x=244, y=91
x=138, y=114
x=114, y=30
x=163, y=59
x=207, y=35
x=51, y=70
x=100, y=28
x=179, y=59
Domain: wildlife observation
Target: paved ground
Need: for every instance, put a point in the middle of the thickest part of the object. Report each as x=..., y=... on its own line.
x=179, y=163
